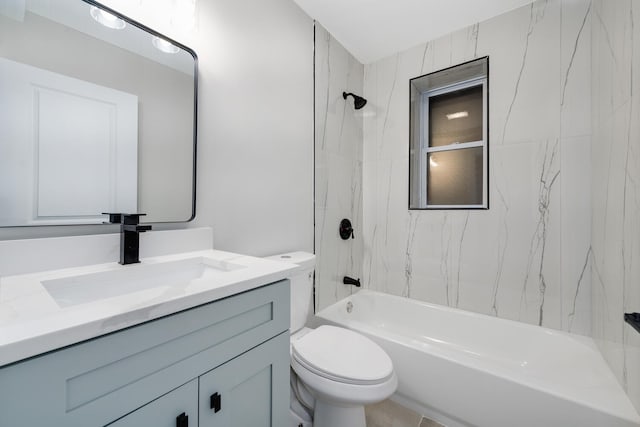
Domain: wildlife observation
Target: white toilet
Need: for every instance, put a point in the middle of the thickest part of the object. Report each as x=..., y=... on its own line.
x=336, y=371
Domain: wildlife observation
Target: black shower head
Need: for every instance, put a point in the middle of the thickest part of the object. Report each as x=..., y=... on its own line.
x=358, y=101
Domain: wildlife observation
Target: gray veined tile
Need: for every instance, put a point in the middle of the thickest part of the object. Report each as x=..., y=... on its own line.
x=575, y=99
x=338, y=163
x=576, y=234
x=539, y=275
x=615, y=200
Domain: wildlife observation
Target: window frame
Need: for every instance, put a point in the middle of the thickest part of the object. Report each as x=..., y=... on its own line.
x=460, y=76
x=425, y=150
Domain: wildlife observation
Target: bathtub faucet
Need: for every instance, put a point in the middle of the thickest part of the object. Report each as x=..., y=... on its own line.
x=351, y=281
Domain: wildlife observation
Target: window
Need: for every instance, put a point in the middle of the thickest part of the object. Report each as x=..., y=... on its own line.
x=449, y=138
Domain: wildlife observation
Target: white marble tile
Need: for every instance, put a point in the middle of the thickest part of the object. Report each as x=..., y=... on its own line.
x=338, y=168
x=369, y=172
x=525, y=270
x=614, y=190
x=506, y=261
x=524, y=60
x=576, y=234
x=575, y=96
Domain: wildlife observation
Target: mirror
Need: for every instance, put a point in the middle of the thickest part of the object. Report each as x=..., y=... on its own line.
x=97, y=114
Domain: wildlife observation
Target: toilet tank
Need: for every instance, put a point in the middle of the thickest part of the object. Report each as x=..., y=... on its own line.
x=301, y=286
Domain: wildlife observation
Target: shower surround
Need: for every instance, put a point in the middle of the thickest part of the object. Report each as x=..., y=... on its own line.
x=338, y=168
x=527, y=258
x=557, y=222
x=614, y=185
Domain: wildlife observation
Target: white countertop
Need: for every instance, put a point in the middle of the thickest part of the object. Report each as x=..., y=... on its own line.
x=32, y=322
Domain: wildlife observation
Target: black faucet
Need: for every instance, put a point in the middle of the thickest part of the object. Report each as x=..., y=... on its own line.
x=130, y=230
x=351, y=281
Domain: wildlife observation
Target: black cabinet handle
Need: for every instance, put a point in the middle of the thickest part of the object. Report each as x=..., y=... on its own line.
x=215, y=402
x=182, y=420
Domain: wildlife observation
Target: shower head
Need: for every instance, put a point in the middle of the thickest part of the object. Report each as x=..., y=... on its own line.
x=358, y=101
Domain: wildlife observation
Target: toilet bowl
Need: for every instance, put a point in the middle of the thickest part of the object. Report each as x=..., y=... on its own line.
x=336, y=371
x=343, y=371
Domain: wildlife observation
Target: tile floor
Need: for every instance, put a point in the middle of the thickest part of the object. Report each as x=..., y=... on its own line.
x=391, y=414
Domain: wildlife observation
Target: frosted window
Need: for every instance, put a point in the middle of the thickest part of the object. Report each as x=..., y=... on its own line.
x=448, y=157
x=456, y=117
x=455, y=177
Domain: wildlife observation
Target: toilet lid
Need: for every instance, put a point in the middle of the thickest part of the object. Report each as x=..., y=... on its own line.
x=342, y=355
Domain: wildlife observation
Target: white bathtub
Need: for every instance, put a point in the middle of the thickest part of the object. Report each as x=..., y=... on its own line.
x=468, y=369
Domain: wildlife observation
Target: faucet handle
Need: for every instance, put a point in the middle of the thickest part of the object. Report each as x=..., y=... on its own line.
x=131, y=222
x=123, y=218
x=133, y=219
x=114, y=218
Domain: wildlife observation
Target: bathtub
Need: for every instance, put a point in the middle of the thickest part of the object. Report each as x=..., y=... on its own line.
x=466, y=369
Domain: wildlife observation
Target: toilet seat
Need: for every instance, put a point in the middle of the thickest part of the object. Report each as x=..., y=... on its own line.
x=343, y=356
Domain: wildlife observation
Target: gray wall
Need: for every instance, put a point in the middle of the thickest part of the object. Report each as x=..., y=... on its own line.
x=255, y=131
x=614, y=186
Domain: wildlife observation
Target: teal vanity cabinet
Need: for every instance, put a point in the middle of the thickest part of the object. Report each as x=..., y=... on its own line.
x=225, y=363
x=176, y=408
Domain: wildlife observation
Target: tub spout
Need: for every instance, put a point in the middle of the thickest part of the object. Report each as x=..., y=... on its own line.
x=351, y=281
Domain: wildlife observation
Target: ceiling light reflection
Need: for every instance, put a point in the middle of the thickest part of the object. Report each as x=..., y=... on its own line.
x=458, y=115
x=163, y=45
x=107, y=19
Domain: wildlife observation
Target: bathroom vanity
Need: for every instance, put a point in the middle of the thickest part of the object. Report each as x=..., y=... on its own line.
x=208, y=345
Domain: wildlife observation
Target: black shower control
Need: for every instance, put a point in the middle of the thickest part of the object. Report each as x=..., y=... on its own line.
x=346, y=229
x=351, y=281
x=633, y=319
x=358, y=101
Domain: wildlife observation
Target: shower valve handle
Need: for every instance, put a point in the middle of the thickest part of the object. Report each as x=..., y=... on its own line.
x=346, y=229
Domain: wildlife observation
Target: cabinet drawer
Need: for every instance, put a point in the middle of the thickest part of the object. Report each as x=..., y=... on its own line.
x=96, y=382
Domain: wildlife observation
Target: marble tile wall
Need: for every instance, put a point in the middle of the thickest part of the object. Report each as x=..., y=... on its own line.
x=615, y=268
x=528, y=257
x=338, y=168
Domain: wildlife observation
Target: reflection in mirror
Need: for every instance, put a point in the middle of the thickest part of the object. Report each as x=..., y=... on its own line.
x=97, y=114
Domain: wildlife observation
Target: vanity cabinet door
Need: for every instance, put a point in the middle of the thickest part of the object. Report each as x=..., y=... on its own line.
x=178, y=408
x=251, y=390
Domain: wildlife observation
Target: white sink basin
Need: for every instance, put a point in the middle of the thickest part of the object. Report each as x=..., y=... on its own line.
x=81, y=289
